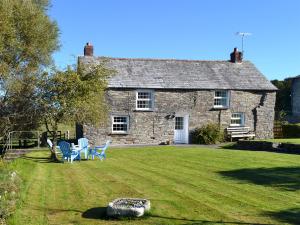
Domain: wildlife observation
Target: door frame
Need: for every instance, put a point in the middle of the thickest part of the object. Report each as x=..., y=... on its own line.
x=185, y=128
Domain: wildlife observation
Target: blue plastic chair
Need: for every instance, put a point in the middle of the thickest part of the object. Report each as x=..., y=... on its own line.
x=83, y=145
x=67, y=153
x=94, y=152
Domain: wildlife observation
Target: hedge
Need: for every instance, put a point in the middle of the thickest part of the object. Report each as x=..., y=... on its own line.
x=291, y=131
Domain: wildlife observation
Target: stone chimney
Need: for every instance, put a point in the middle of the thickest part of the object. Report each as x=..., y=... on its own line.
x=236, y=56
x=88, y=49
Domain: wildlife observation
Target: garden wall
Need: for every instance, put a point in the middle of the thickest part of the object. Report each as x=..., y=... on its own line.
x=268, y=146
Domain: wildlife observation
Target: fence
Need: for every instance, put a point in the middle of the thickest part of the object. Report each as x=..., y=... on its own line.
x=24, y=139
x=277, y=130
x=16, y=140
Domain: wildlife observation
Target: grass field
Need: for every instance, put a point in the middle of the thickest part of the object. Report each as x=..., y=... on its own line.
x=186, y=185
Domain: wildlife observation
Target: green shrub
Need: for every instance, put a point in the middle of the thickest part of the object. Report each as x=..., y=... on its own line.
x=207, y=134
x=9, y=189
x=291, y=131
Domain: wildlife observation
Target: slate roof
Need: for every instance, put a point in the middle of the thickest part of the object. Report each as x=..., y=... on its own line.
x=182, y=74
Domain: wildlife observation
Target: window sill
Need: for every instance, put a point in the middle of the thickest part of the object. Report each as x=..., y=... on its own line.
x=118, y=133
x=143, y=110
x=220, y=108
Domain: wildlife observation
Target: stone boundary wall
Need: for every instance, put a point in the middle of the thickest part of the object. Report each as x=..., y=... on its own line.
x=268, y=146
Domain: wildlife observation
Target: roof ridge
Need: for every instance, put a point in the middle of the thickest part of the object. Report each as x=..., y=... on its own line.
x=159, y=59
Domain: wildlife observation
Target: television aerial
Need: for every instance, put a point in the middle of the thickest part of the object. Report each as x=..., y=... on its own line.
x=242, y=35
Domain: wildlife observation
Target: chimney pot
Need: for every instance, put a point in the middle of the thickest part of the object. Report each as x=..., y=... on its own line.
x=88, y=49
x=236, y=56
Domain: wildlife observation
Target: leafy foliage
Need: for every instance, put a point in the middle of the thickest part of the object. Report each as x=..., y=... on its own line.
x=9, y=189
x=291, y=130
x=73, y=96
x=27, y=39
x=283, y=96
x=208, y=134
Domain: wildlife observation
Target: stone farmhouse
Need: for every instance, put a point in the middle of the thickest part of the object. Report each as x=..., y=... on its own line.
x=155, y=101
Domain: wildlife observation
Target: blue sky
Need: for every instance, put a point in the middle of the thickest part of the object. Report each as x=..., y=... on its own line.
x=182, y=29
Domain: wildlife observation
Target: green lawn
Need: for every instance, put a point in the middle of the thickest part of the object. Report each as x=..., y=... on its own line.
x=186, y=185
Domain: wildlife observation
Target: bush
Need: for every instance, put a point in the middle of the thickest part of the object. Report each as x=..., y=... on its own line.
x=291, y=131
x=207, y=134
x=9, y=189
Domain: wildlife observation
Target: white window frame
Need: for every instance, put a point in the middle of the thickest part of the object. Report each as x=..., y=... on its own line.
x=242, y=118
x=119, y=131
x=227, y=97
x=151, y=99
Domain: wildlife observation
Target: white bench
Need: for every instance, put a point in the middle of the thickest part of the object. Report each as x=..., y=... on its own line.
x=239, y=132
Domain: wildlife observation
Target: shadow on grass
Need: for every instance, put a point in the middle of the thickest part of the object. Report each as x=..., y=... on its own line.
x=95, y=213
x=231, y=146
x=47, y=159
x=39, y=159
x=263, y=148
x=100, y=213
x=287, y=178
x=291, y=216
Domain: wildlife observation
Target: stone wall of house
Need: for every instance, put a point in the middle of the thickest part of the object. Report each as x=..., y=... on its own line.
x=296, y=97
x=156, y=127
x=264, y=116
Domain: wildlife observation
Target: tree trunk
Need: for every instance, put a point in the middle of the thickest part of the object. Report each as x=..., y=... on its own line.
x=53, y=155
x=53, y=149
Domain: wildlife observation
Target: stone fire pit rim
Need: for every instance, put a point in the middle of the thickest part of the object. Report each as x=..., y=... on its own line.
x=117, y=209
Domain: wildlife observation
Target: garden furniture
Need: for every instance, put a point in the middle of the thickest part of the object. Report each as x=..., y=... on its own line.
x=83, y=146
x=68, y=153
x=94, y=152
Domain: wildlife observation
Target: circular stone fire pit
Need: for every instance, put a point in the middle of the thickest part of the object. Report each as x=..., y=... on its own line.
x=128, y=207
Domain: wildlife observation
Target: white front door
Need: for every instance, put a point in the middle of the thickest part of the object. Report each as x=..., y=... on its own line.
x=181, y=129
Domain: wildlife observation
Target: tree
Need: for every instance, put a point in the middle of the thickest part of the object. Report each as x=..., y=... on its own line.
x=283, y=97
x=27, y=40
x=73, y=96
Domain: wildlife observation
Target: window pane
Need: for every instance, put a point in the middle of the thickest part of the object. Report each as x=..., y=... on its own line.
x=144, y=95
x=237, y=119
x=178, y=123
x=120, y=127
x=120, y=119
x=220, y=102
x=221, y=94
x=236, y=115
x=217, y=102
x=224, y=101
x=144, y=100
x=143, y=104
x=221, y=98
x=120, y=124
